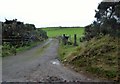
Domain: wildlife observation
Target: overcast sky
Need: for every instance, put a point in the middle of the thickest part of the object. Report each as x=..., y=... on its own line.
x=44, y=13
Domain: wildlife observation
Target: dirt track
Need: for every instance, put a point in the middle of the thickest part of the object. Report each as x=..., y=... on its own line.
x=32, y=66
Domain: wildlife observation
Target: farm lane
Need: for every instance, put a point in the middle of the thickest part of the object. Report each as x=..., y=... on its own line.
x=33, y=66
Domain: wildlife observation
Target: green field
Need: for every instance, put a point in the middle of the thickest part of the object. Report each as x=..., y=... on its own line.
x=54, y=32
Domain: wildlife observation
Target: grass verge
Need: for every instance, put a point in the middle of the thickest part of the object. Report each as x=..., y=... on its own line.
x=65, y=50
x=98, y=57
x=7, y=51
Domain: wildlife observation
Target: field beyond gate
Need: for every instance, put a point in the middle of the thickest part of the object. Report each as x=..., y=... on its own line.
x=54, y=32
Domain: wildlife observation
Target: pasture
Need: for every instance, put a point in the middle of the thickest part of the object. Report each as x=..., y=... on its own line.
x=54, y=32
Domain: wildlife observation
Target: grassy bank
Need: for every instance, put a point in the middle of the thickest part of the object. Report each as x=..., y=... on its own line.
x=98, y=57
x=65, y=50
x=7, y=50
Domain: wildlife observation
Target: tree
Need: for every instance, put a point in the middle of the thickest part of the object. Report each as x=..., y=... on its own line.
x=107, y=21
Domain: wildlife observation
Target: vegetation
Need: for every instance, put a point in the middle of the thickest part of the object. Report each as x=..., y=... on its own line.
x=99, y=51
x=17, y=36
x=107, y=21
x=98, y=56
x=70, y=31
x=65, y=50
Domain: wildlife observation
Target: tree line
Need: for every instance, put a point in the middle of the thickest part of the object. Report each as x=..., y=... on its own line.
x=107, y=21
x=65, y=27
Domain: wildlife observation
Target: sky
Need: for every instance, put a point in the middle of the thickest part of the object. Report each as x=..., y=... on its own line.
x=49, y=13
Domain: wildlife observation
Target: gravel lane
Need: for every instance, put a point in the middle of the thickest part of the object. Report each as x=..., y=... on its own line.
x=35, y=67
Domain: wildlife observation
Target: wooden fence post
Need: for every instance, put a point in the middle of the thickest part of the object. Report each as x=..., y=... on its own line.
x=75, y=40
x=64, y=39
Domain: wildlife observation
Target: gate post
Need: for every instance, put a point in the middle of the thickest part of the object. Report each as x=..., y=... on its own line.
x=75, y=40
